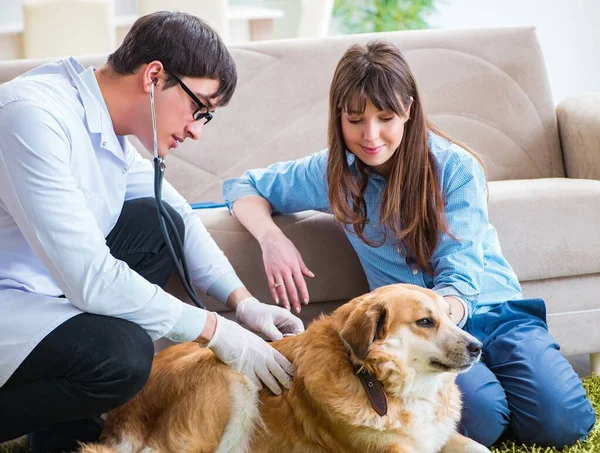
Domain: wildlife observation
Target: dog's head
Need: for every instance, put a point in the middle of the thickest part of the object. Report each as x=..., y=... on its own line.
x=408, y=326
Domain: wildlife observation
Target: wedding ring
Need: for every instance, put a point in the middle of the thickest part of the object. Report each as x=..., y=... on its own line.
x=277, y=284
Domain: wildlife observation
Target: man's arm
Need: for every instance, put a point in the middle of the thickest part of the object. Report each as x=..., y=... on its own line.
x=42, y=195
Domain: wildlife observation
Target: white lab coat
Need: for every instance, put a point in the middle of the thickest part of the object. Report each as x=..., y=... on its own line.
x=64, y=176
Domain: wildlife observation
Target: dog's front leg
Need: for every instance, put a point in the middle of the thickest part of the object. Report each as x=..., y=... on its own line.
x=461, y=444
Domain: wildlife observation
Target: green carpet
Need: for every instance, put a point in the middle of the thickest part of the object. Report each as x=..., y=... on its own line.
x=12, y=447
x=591, y=445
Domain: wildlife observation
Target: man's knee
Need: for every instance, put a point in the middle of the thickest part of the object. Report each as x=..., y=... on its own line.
x=178, y=221
x=128, y=368
x=145, y=208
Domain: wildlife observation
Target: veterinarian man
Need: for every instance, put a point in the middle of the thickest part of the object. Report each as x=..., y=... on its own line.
x=83, y=261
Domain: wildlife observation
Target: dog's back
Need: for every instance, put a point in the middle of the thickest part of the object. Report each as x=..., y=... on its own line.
x=192, y=402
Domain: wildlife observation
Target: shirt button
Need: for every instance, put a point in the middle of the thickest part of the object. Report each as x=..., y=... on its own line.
x=415, y=271
x=125, y=170
x=104, y=144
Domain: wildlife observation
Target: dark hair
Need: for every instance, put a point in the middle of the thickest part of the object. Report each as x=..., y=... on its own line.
x=185, y=45
x=413, y=205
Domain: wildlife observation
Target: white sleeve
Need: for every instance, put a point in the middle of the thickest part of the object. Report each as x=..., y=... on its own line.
x=40, y=192
x=206, y=261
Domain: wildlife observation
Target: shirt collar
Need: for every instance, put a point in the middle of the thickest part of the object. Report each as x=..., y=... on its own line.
x=80, y=77
x=351, y=160
x=91, y=82
x=97, y=116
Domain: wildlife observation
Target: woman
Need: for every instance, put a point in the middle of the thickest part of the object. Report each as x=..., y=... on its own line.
x=413, y=202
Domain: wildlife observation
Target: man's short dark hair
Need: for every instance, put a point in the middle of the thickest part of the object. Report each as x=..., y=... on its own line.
x=185, y=45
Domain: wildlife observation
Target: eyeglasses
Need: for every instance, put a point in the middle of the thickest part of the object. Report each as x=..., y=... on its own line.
x=202, y=110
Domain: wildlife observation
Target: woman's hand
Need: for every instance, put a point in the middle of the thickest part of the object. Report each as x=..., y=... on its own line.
x=285, y=270
x=456, y=310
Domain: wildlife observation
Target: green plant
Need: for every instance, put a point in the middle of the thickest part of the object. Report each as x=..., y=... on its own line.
x=366, y=16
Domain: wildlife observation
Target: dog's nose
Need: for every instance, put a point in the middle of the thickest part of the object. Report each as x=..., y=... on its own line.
x=474, y=348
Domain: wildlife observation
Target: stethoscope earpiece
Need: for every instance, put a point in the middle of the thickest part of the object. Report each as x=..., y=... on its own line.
x=154, y=136
x=164, y=216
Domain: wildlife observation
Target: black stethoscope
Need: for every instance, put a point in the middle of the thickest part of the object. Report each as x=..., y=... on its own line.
x=164, y=217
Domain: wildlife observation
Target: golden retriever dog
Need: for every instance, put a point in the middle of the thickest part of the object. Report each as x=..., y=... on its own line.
x=377, y=375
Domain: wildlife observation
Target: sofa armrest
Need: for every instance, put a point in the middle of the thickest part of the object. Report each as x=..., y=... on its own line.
x=579, y=127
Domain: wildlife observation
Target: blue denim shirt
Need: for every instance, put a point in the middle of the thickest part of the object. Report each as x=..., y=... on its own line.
x=471, y=266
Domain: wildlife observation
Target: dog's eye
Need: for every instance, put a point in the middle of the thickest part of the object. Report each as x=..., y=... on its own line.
x=425, y=322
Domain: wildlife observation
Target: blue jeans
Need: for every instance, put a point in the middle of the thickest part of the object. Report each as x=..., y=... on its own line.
x=523, y=388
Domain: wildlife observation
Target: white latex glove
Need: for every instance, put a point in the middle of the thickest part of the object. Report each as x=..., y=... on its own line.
x=251, y=355
x=270, y=320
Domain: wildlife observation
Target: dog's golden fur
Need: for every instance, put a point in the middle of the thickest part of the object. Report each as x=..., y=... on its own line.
x=194, y=403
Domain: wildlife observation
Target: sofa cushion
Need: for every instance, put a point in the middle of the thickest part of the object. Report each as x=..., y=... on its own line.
x=572, y=311
x=323, y=246
x=548, y=228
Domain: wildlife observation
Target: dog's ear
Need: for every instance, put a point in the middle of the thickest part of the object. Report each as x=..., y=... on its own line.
x=366, y=323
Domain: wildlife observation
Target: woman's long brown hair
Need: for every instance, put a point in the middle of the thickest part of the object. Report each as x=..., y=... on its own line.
x=413, y=205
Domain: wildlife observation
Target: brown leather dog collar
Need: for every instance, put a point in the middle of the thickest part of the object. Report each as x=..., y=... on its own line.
x=374, y=389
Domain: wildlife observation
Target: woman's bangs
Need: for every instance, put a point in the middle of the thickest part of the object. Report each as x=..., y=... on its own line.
x=384, y=93
x=378, y=90
x=354, y=101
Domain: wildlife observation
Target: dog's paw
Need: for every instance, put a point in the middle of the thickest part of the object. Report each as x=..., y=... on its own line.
x=95, y=448
x=461, y=444
x=474, y=447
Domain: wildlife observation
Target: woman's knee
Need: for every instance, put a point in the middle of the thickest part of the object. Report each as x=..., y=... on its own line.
x=549, y=406
x=560, y=420
x=485, y=414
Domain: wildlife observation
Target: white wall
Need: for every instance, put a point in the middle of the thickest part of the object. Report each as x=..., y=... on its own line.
x=11, y=21
x=567, y=29
x=10, y=12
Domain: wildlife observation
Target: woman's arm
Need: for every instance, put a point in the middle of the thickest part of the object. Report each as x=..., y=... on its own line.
x=44, y=197
x=288, y=187
x=457, y=310
x=285, y=187
x=284, y=265
x=254, y=212
x=458, y=261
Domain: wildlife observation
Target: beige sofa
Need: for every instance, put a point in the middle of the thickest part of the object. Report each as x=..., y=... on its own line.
x=487, y=87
